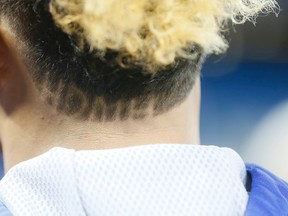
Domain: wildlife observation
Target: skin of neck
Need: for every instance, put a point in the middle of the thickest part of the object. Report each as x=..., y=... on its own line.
x=29, y=127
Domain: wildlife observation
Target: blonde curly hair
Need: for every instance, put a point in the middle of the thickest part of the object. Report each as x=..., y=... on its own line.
x=154, y=33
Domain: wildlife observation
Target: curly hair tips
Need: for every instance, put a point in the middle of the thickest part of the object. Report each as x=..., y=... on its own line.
x=154, y=33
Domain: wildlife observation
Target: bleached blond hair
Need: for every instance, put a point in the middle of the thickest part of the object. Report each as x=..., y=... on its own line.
x=154, y=33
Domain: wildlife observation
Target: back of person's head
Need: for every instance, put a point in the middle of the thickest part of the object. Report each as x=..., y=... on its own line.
x=104, y=60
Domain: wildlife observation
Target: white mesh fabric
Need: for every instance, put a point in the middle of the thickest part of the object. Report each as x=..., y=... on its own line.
x=42, y=186
x=152, y=180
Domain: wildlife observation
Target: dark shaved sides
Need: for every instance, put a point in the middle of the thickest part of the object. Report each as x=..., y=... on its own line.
x=88, y=86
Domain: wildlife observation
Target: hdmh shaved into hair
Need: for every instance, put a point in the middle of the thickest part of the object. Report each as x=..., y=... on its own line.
x=116, y=59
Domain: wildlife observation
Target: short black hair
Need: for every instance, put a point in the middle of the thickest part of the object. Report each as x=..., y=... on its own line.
x=80, y=83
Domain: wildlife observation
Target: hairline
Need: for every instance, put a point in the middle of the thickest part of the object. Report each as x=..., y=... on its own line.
x=72, y=97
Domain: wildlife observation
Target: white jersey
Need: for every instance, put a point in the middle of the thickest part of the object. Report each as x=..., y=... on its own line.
x=150, y=180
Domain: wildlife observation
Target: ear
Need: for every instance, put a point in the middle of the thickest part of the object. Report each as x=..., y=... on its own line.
x=3, y=54
x=8, y=60
x=12, y=82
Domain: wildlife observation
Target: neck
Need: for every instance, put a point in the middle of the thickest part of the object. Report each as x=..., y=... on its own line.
x=32, y=133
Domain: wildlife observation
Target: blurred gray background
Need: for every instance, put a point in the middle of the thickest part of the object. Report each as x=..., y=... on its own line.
x=245, y=93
